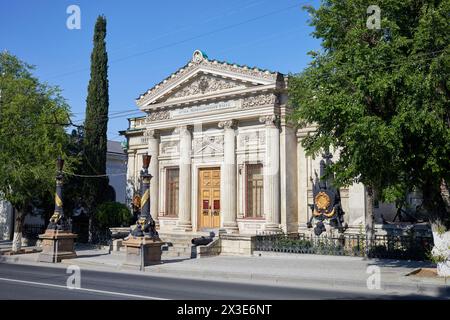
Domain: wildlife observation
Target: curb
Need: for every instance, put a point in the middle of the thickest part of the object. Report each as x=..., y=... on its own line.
x=398, y=286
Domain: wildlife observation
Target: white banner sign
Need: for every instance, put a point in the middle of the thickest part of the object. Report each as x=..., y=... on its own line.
x=206, y=108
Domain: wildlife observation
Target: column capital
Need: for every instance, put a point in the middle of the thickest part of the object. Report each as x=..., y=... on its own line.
x=270, y=120
x=184, y=129
x=228, y=124
x=152, y=133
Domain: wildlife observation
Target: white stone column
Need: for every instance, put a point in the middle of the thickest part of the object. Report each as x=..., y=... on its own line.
x=184, y=214
x=153, y=151
x=303, y=177
x=131, y=176
x=228, y=178
x=272, y=174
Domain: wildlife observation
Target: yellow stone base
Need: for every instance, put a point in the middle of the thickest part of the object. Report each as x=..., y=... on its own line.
x=142, y=251
x=57, y=245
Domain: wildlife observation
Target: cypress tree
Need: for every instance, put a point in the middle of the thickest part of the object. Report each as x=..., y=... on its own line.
x=95, y=126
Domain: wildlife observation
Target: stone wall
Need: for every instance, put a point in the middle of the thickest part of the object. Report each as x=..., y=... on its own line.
x=234, y=244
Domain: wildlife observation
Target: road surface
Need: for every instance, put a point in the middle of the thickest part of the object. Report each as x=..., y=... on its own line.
x=38, y=282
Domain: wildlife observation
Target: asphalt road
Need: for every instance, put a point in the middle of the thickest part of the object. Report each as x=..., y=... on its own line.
x=36, y=282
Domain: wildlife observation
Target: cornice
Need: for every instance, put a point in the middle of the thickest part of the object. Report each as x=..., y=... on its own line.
x=211, y=97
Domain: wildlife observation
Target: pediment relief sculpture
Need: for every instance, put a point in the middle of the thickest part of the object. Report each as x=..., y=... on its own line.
x=208, y=144
x=205, y=84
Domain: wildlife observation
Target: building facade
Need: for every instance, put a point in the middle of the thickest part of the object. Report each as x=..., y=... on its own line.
x=116, y=165
x=224, y=153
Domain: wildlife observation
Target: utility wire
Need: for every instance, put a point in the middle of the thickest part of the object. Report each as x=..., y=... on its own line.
x=175, y=43
x=416, y=58
x=95, y=176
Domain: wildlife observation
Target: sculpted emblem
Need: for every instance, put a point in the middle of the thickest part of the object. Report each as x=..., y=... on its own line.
x=322, y=201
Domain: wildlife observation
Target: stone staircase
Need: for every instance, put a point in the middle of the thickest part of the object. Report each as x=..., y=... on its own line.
x=179, y=244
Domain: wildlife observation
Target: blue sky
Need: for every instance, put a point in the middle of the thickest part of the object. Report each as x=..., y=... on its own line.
x=148, y=40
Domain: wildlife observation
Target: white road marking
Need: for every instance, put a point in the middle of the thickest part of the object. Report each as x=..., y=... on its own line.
x=84, y=289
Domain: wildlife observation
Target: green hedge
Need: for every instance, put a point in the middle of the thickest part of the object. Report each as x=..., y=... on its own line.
x=113, y=214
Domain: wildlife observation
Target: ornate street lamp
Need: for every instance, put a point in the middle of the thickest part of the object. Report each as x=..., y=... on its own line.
x=58, y=221
x=145, y=225
x=143, y=246
x=58, y=240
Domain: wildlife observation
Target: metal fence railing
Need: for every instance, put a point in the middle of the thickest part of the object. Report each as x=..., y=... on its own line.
x=381, y=246
x=32, y=231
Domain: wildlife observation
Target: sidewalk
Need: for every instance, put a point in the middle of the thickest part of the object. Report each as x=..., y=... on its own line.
x=300, y=270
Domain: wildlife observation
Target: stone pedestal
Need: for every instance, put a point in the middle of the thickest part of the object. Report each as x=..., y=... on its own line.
x=142, y=250
x=57, y=245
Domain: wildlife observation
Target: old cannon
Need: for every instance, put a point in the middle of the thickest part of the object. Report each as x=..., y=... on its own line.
x=203, y=241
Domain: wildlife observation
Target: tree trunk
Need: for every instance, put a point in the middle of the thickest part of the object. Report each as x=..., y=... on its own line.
x=369, y=219
x=18, y=226
x=445, y=194
x=90, y=231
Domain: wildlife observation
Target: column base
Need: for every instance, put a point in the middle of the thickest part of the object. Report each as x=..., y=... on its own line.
x=272, y=228
x=183, y=226
x=142, y=251
x=230, y=227
x=57, y=245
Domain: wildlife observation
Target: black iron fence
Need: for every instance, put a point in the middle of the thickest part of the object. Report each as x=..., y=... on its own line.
x=32, y=231
x=99, y=236
x=408, y=247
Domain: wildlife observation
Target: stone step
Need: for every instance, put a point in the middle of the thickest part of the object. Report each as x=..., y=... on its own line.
x=175, y=254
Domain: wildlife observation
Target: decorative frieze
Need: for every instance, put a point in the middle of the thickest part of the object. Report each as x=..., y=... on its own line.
x=259, y=100
x=158, y=115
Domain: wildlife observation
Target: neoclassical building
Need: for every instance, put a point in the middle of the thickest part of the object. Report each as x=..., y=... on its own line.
x=224, y=154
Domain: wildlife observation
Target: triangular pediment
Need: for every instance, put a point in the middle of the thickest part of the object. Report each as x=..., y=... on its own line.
x=203, y=84
x=203, y=77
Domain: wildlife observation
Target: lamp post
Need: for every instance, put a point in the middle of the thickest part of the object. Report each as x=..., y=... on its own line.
x=143, y=246
x=145, y=186
x=58, y=240
x=145, y=225
x=58, y=221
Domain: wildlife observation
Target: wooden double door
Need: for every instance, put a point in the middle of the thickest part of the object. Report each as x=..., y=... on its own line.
x=209, y=198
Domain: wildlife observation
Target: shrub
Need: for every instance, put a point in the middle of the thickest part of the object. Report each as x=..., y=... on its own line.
x=112, y=214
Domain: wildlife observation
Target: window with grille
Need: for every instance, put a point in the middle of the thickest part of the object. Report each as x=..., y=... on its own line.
x=172, y=183
x=255, y=191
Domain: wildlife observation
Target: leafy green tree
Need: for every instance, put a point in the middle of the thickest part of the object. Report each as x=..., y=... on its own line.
x=381, y=97
x=95, y=126
x=32, y=136
x=113, y=214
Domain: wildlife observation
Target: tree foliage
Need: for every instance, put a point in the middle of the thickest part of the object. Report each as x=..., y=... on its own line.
x=32, y=136
x=112, y=214
x=381, y=97
x=95, y=126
